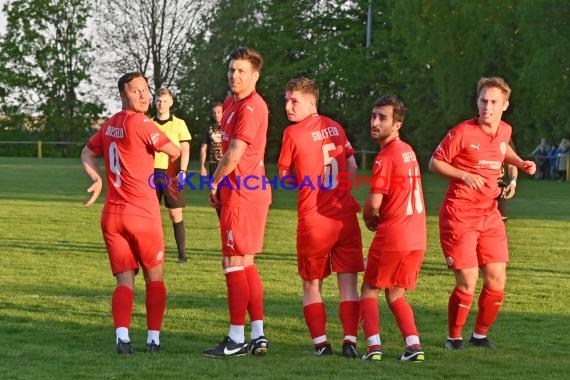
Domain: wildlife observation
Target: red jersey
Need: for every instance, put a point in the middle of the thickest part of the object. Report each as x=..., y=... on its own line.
x=246, y=120
x=317, y=149
x=468, y=147
x=396, y=174
x=127, y=142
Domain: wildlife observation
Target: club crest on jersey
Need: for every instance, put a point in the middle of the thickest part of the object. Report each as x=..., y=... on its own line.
x=503, y=147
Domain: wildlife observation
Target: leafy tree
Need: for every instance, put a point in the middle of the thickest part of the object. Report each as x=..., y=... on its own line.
x=542, y=90
x=323, y=40
x=149, y=36
x=44, y=63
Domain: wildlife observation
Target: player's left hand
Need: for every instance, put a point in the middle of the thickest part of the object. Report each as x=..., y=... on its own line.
x=529, y=167
x=372, y=222
x=95, y=189
x=214, y=198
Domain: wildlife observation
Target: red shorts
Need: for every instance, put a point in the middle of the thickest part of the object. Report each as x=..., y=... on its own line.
x=242, y=229
x=472, y=238
x=132, y=240
x=389, y=269
x=327, y=245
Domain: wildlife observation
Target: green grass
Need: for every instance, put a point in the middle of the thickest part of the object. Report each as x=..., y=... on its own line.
x=55, y=287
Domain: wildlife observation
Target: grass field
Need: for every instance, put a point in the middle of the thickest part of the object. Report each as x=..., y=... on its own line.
x=55, y=288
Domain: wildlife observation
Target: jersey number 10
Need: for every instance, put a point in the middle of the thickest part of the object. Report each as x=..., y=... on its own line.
x=415, y=193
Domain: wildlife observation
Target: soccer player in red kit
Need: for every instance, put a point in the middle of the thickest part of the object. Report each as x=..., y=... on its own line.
x=472, y=233
x=131, y=221
x=395, y=211
x=314, y=152
x=243, y=208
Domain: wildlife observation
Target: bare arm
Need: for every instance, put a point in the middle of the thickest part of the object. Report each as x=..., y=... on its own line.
x=512, y=158
x=372, y=210
x=443, y=169
x=227, y=164
x=512, y=174
x=89, y=160
x=172, y=150
x=203, y=151
x=291, y=179
x=351, y=166
x=184, y=155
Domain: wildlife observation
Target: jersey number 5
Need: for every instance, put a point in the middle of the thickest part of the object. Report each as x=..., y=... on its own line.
x=115, y=163
x=415, y=193
x=331, y=167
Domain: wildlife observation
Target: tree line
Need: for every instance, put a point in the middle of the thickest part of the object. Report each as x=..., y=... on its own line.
x=431, y=53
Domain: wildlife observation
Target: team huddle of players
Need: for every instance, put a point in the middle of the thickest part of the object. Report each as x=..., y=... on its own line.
x=472, y=232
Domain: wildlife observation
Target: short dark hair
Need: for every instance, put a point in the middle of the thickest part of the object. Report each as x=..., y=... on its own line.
x=217, y=104
x=249, y=55
x=398, y=107
x=129, y=77
x=304, y=86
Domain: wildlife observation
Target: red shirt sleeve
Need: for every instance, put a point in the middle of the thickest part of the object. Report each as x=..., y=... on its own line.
x=450, y=146
x=287, y=150
x=382, y=173
x=147, y=131
x=95, y=143
x=249, y=119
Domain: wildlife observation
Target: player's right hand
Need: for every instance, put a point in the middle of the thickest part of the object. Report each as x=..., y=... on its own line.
x=474, y=181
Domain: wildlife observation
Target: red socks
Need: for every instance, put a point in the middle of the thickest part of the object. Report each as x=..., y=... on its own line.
x=457, y=312
x=370, y=316
x=238, y=296
x=255, y=305
x=349, y=314
x=316, y=320
x=490, y=302
x=404, y=317
x=155, y=304
x=122, y=306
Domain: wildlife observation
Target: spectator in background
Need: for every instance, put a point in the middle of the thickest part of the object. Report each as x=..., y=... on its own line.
x=540, y=154
x=562, y=159
x=178, y=133
x=213, y=142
